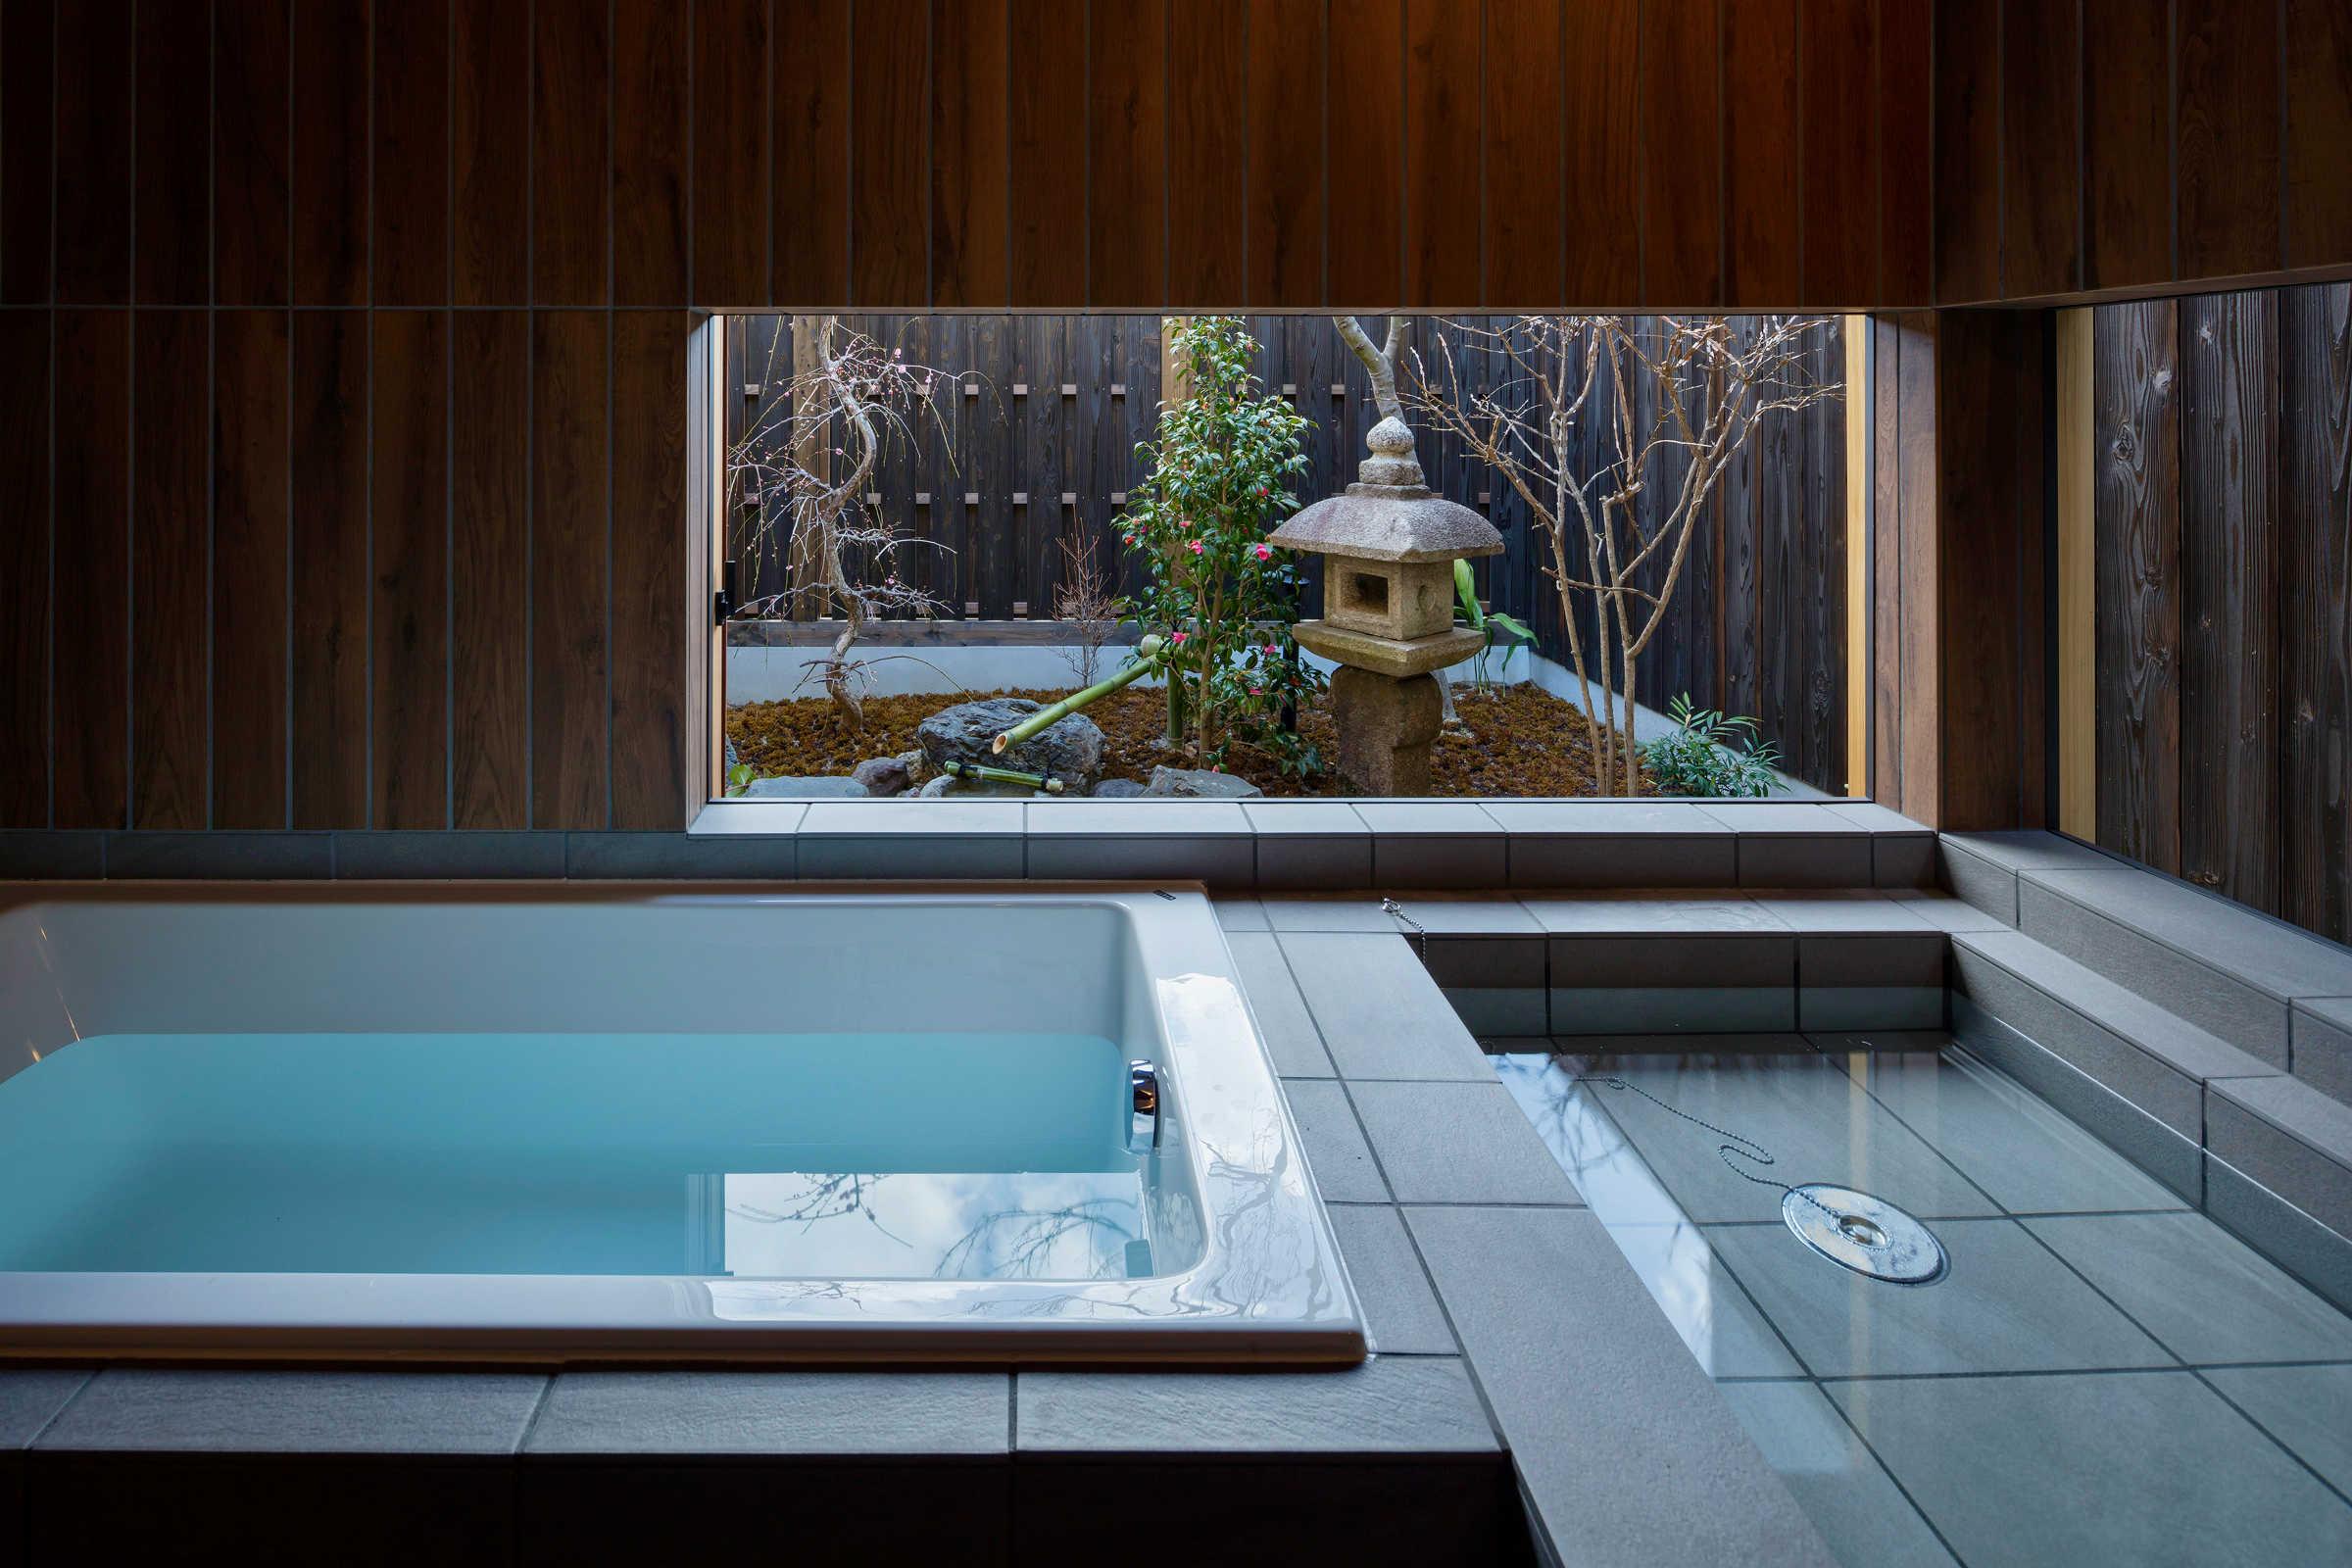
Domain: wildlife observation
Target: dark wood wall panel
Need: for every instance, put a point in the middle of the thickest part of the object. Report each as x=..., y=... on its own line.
x=572, y=546
x=328, y=714
x=1442, y=195
x=90, y=562
x=2319, y=131
x=490, y=149
x=971, y=77
x=1127, y=216
x=2315, y=551
x=807, y=232
x=648, y=573
x=650, y=94
x=2137, y=442
x=1841, y=172
x=732, y=151
x=94, y=142
x=170, y=556
x=1906, y=159
x=490, y=569
x=1364, y=156
x=408, y=571
x=27, y=147
x=330, y=152
x=23, y=568
x=251, y=87
x=1285, y=230
x=1682, y=165
x=411, y=194
x=2127, y=143
x=172, y=220
x=2227, y=118
x=571, y=134
x=1525, y=106
x=1046, y=156
x=251, y=606
x=1209, y=167
x=1763, y=108
x=2039, y=206
x=1968, y=153
x=890, y=119
x=2229, y=595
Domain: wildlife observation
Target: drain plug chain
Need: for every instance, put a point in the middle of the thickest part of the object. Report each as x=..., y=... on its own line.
x=1390, y=907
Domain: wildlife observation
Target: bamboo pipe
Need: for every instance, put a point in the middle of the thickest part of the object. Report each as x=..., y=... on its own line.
x=1045, y=719
x=1003, y=775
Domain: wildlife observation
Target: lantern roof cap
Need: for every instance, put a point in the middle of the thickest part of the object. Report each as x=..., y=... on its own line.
x=1390, y=523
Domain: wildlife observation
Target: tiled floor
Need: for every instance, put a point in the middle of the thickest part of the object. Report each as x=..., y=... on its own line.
x=2104, y=1376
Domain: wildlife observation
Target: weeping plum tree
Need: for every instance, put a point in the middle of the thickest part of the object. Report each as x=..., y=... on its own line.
x=1674, y=399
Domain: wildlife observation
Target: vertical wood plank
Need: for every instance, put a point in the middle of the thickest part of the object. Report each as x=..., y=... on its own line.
x=1364, y=94
x=571, y=124
x=94, y=155
x=1126, y=222
x=329, y=719
x=168, y=558
x=1046, y=161
x=1762, y=111
x=2077, y=664
x=2127, y=143
x=2229, y=128
x=570, y=546
x=888, y=126
x=173, y=220
x=1287, y=55
x=490, y=130
x=1841, y=210
x=970, y=78
x=1208, y=171
x=1682, y=158
x=28, y=135
x=409, y=570
x=1968, y=154
x=412, y=153
x=330, y=165
x=810, y=224
x=2229, y=717
x=649, y=152
x=251, y=86
x=25, y=526
x=490, y=570
x=733, y=148
x=2041, y=91
x=1886, y=555
x=1441, y=128
x=1906, y=164
x=649, y=524
x=91, y=561
x=2315, y=555
x=2029, y=419
x=1919, y=566
x=250, y=542
x=2319, y=132
x=2136, y=382
x=1525, y=101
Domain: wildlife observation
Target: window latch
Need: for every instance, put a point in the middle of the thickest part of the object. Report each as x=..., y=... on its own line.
x=722, y=603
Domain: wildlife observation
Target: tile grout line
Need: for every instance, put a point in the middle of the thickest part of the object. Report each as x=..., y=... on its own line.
x=58, y=1414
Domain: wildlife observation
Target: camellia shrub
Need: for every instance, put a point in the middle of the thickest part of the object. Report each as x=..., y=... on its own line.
x=1223, y=597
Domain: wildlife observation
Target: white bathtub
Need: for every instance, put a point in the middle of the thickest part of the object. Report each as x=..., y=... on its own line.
x=362, y=1082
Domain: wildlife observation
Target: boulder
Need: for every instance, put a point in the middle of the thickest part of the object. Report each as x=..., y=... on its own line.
x=882, y=776
x=945, y=788
x=1071, y=750
x=919, y=770
x=1117, y=789
x=1198, y=783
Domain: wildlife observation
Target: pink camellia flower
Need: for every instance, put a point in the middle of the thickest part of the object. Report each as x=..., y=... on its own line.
x=1254, y=692
x=1196, y=547
x=1265, y=553
x=1180, y=639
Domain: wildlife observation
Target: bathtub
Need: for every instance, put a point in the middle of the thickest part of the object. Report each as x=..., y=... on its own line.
x=648, y=1125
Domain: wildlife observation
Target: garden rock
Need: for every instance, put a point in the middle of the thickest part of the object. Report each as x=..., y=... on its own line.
x=881, y=776
x=1198, y=783
x=919, y=770
x=1117, y=789
x=831, y=786
x=1071, y=750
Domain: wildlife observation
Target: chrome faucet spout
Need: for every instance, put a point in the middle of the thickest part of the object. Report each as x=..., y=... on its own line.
x=1143, y=1088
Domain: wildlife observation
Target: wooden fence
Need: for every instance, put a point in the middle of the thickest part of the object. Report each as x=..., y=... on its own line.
x=2223, y=550
x=1043, y=414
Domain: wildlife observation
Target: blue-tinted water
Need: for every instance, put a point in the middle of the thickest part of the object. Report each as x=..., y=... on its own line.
x=813, y=1156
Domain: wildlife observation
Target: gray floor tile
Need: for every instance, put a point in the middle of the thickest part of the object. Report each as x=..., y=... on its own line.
x=1281, y=1012
x=2088, y=1471
x=1336, y=1151
x=1627, y=911
x=2026, y=1157
x=1400, y=1308
x=2302, y=1406
x=1624, y=1450
x=1459, y=1144
x=1389, y=1404
x=2007, y=1306
x=2206, y=1296
x=1837, y=909
x=1943, y=911
x=298, y=1413
x=1818, y=1125
x=1858, y=1508
x=1239, y=913
x=1467, y=915
x=775, y=1413
x=30, y=1398
x=1379, y=1012
x=2314, y=1254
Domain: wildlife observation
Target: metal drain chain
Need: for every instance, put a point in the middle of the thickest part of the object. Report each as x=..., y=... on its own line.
x=1742, y=1147
x=1390, y=907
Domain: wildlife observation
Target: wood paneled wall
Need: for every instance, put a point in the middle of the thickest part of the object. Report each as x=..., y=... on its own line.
x=2224, y=528
x=2123, y=145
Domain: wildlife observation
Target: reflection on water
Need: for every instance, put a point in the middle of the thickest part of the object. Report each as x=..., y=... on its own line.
x=1062, y=1225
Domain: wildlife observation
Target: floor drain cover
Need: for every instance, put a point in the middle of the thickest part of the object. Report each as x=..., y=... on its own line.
x=1865, y=1234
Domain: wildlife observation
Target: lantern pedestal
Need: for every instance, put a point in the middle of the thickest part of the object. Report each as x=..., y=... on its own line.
x=1386, y=726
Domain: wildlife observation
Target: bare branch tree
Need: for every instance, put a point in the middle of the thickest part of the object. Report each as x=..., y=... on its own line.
x=1674, y=399
x=806, y=467
x=1084, y=602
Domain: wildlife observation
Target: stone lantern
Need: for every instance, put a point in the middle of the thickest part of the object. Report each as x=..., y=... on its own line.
x=1389, y=546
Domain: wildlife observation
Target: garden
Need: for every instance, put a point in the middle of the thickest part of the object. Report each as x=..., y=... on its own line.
x=1228, y=556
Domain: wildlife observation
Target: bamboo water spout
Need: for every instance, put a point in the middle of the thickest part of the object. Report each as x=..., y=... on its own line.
x=1147, y=659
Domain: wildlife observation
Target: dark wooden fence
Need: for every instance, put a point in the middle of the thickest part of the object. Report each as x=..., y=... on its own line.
x=1046, y=446
x=2223, y=593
